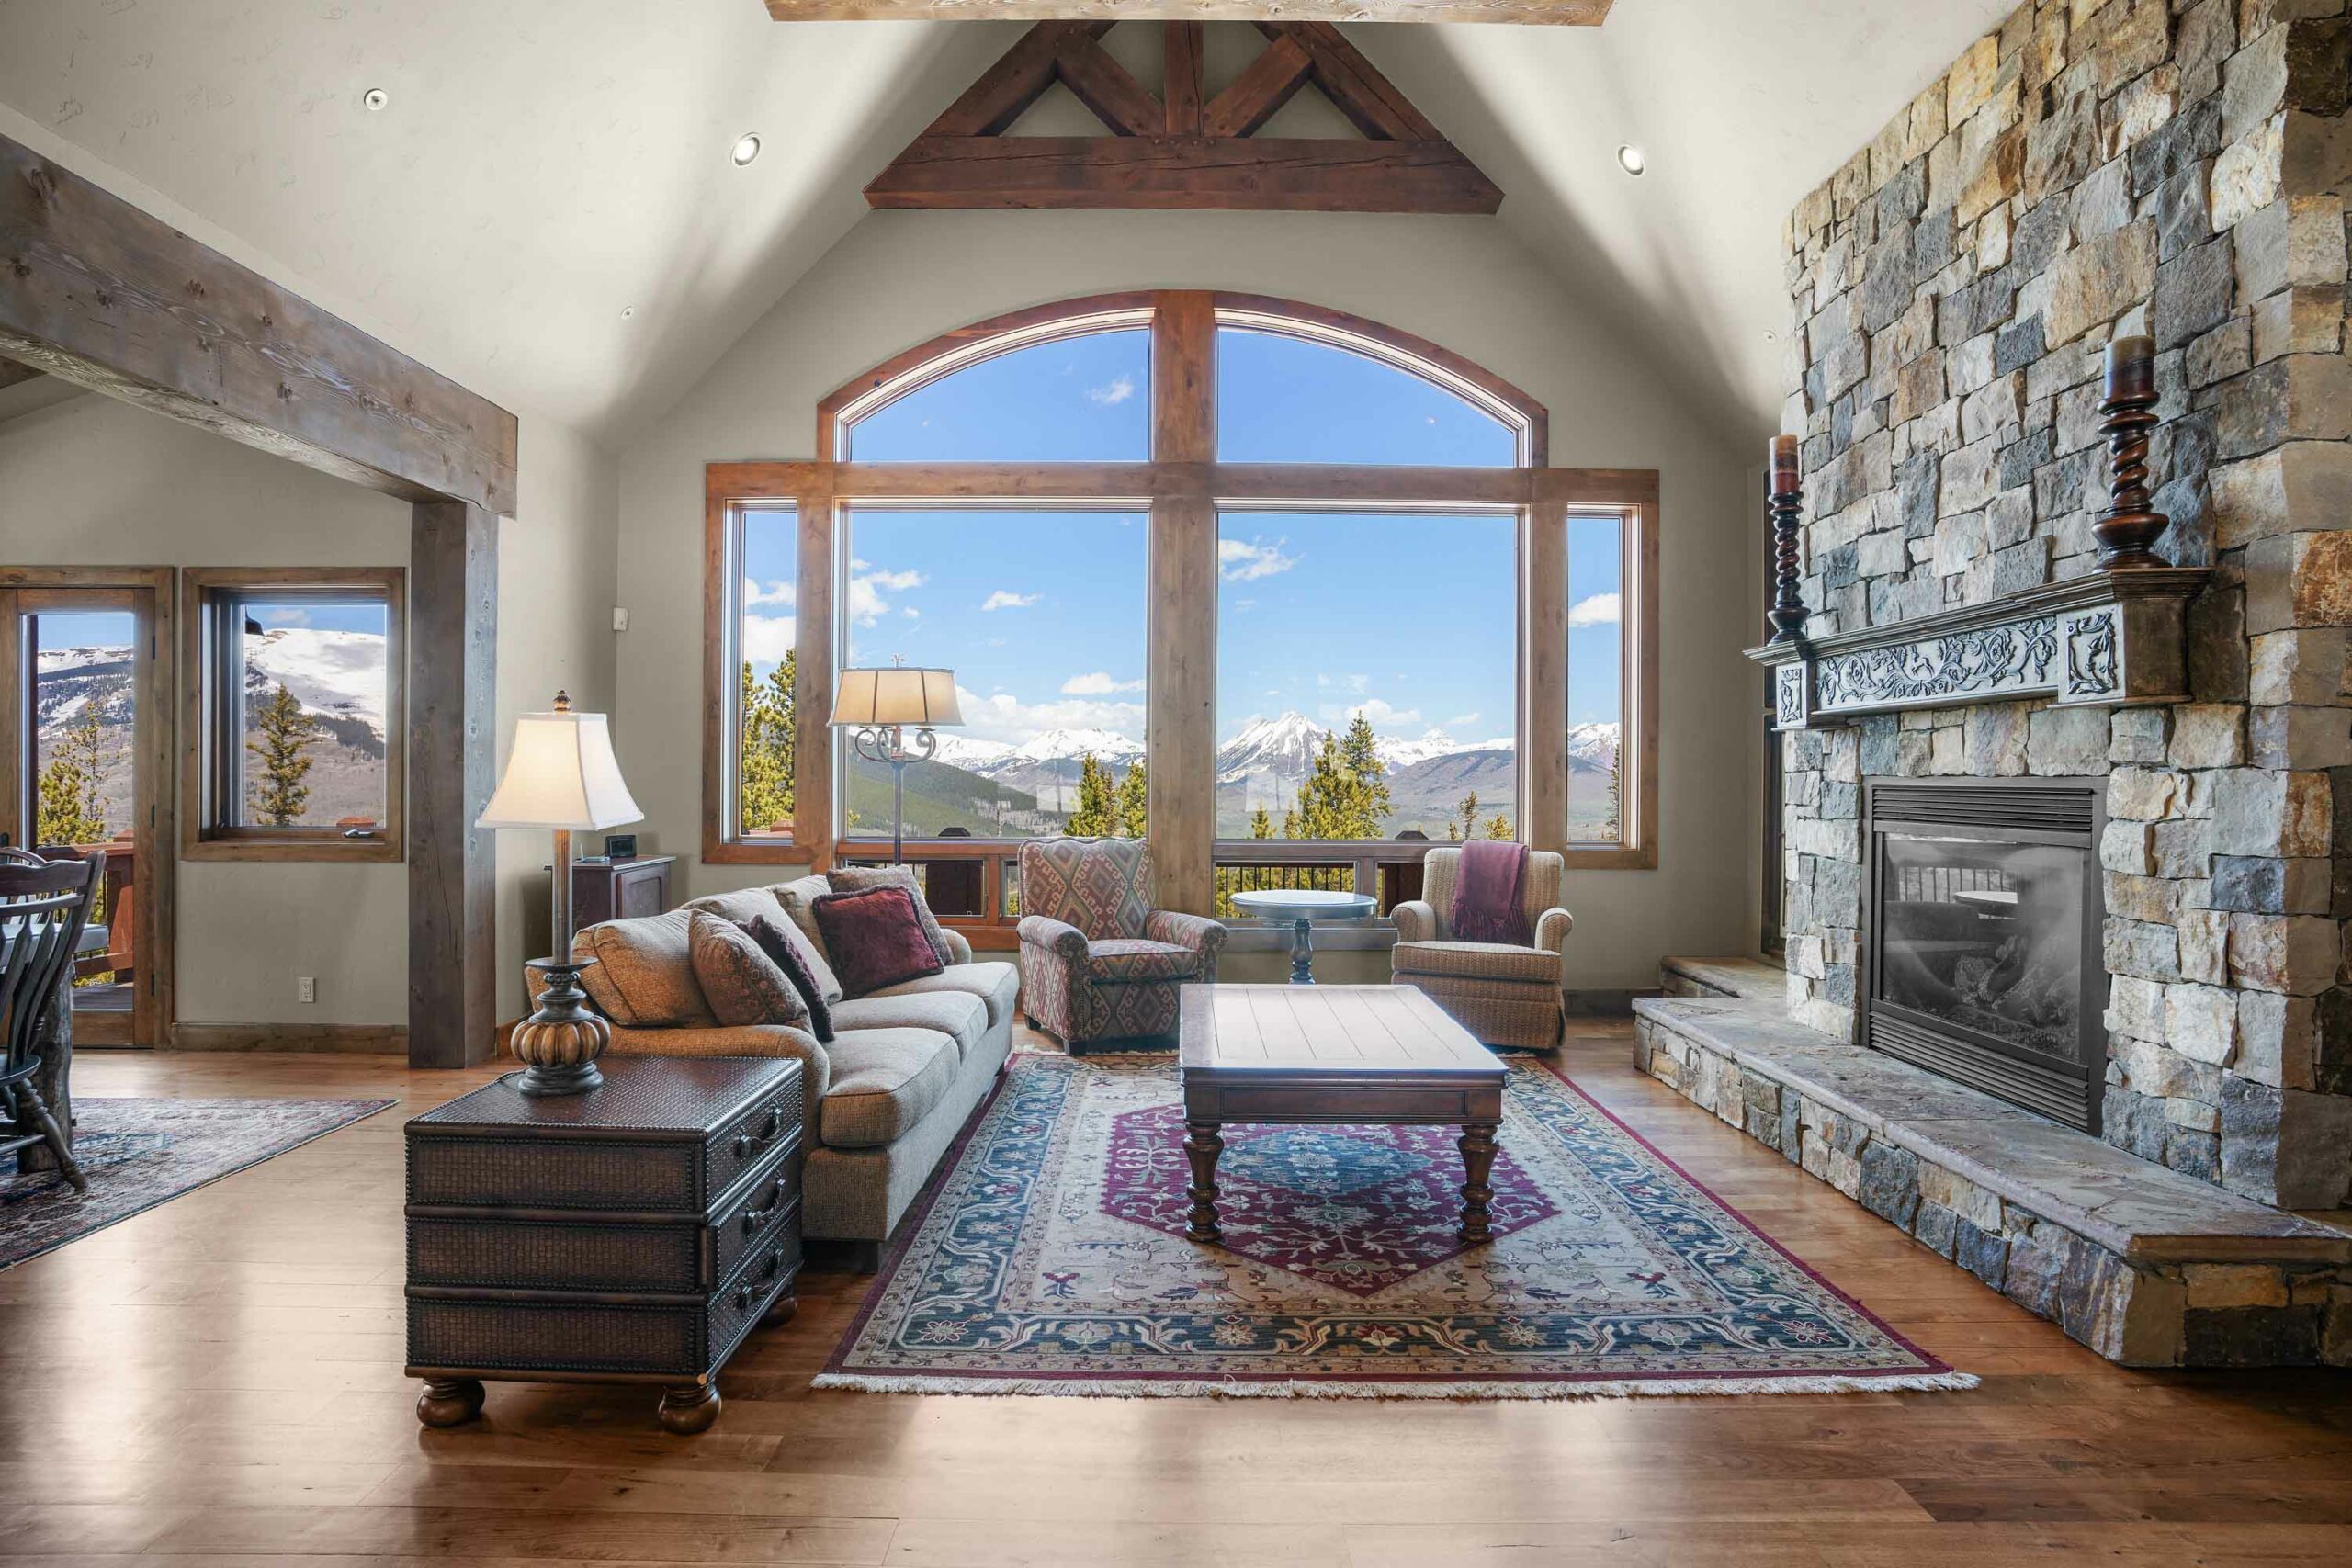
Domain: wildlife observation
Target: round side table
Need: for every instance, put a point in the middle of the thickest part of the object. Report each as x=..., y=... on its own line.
x=1300, y=909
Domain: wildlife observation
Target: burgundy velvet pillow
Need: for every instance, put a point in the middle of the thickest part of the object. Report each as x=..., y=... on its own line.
x=783, y=947
x=874, y=937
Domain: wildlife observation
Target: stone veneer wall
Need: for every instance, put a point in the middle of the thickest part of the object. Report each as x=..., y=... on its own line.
x=2097, y=167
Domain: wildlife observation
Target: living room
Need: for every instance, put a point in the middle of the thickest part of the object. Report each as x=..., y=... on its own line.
x=784, y=761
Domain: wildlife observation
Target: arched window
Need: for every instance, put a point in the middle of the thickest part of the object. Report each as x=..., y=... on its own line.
x=1291, y=593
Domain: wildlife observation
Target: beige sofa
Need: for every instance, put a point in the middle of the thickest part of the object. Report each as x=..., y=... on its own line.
x=884, y=1100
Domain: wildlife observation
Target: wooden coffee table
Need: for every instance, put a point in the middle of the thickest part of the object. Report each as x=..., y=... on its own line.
x=1344, y=1056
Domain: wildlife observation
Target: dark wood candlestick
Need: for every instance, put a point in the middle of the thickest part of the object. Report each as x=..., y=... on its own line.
x=2127, y=529
x=1784, y=507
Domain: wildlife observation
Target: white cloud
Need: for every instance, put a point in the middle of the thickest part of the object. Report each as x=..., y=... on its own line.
x=766, y=638
x=867, y=604
x=1118, y=389
x=911, y=612
x=1359, y=684
x=1459, y=720
x=1004, y=599
x=287, y=615
x=1240, y=561
x=1098, y=684
x=1377, y=710
x=1004, y=716
x=1597, y=610
x=757, y=593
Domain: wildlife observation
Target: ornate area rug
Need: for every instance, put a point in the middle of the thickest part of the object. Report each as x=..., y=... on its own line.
x=140, y=1153
x=1050, y=1259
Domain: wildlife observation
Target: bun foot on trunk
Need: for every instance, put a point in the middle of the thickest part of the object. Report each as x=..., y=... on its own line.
x=689, y=1407
x=449, y=1402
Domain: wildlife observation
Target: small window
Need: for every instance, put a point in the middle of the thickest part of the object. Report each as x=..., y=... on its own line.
x=767, y=691
x=1290, y=400
x=1083, y=399
x=1598, y=625
x=296, y=678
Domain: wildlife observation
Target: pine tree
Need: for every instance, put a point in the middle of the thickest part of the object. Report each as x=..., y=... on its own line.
x=279, y=794
x=1616, y=794
x=1346, y=792
x=68, y=810
x=1261, y=825
x=771, y=730
x=1498, y=826
x=1464, y=823
x=1097, y=813
x=1134, y=794
x=1363, y=756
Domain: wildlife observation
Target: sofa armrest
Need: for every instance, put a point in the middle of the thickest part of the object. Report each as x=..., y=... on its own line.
x=1552, y=928
x=959, y=947
x=1416, y=920
x=739, y=1039
x=1202, y=934
x=1057, y=937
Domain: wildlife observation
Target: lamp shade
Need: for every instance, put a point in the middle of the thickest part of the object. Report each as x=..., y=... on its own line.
x=894, y=696
x=561, y=773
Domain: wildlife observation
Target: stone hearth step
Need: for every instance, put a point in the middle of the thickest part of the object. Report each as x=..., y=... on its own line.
x=1751, y=977
x=2142, y=1264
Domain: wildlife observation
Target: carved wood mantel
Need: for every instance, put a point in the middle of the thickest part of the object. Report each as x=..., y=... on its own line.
x=2109, y=638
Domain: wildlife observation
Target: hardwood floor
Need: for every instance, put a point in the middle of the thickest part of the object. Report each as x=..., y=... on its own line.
x=218, y=1382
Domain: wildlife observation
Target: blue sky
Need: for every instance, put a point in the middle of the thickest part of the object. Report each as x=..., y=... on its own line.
x=1043, y=614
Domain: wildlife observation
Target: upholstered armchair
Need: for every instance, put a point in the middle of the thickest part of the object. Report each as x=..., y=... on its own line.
x=1502, y=994
x=1097, y=961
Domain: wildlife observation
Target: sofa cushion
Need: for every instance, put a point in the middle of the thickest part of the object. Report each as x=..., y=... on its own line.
x=997, y=985
x=957, y=1013
x=644, y=973
x=875, y=938
x=1477, y=961
x=1118, y=960
x=790, y=951
x=740, y=983
x=885, y=1081
x=798, y=898
x=858, y=878
x=739, y=907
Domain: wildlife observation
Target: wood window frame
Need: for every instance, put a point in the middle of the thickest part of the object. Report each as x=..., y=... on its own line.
x=1184, y=486
x=202, y=836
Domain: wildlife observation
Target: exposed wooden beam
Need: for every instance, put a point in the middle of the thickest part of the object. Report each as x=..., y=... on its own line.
x=1264, y=86
x=1103, y=85
x=1185, y=73
x=1355, y=86
x=1006, y=89
x=95, y=291
x=13, y=374
x=1176, y=173
x=1524, y=13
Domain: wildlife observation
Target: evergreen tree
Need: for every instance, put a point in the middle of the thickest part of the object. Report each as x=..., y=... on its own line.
x=771, y=730
x=1346, y=792
x=1261, y=825
x=1498, y=826
x=1097, y=816
x=1134, y=792
x=67, y=810
x=279, y=794
x=1616, y=793
x=1362, y=757
x=1464, y=823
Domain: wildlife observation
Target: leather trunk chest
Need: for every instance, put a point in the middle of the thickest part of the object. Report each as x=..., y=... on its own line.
x=633, y=1234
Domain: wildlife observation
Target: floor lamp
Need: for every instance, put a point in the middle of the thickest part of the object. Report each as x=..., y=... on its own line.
x=561, y=774
x=878, y=706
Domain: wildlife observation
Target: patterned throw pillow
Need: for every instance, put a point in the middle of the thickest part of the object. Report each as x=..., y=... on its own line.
x=875, y=938
x=858, y=878
x=781, y=942
x=740, y=982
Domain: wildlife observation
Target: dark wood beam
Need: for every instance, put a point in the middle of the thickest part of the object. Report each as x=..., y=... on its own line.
x=1103, y=85
x=1524, y=13
x=1174, y=173
x=1264, y=86
x=1006, y=89
x=13, y=374
x=452, y=713
x=1355, y=86
x=95, y=291
x=1185, y=72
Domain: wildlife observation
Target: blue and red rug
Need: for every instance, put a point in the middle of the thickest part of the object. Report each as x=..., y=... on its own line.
x=1051, y=1258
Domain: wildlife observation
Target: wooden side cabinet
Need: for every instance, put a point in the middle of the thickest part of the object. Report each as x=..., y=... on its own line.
x=620, y=889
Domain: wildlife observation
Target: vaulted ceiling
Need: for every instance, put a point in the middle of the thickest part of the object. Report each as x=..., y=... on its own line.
x=545, y=207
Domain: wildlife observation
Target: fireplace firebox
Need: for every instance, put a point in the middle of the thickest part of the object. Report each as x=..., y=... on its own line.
x=1981, y=957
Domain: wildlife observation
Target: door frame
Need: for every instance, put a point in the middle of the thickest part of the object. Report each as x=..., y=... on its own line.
x=154, y=598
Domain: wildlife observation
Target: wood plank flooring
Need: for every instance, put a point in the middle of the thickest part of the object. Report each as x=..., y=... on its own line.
x=218, y=1382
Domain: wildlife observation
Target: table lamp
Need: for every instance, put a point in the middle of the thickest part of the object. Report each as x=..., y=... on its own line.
x=561, y=774
x=878, y=705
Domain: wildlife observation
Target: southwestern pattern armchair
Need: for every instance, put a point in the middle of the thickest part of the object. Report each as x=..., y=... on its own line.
x=1097, y=961
x=1503, y=993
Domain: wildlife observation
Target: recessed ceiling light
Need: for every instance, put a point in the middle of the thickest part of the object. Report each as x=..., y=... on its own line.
x=627, y=311
x=375, y=98
x=1630, y=159
x=747, y=147
x=1771, y=336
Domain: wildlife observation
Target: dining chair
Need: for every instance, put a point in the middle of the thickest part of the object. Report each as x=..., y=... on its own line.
x=44, y=905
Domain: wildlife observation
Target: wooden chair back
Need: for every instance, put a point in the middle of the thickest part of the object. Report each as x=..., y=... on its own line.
x=44, y=905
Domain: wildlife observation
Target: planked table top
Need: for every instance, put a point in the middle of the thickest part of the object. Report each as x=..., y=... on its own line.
x=1353, y=1033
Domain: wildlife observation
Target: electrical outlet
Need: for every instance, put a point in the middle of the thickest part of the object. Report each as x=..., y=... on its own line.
x=620, y=618
x=305, y=988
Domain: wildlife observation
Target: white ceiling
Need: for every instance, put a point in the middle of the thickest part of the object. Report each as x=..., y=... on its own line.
x=545, y=165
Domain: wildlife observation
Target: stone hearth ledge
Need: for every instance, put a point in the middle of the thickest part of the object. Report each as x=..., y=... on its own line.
x=2142, y=1264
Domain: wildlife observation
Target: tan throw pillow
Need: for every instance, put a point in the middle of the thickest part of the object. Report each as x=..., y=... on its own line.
x=858, y=878
x=742, y=983
x=797, y=899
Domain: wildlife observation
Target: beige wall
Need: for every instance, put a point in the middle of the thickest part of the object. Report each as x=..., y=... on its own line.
x=92, y=482
x=899, y=278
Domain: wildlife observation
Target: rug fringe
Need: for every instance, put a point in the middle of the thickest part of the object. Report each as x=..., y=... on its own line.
x=1213, y=1388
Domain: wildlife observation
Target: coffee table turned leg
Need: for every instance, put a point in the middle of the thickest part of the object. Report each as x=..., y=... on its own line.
x=448, y=1402
x=689, y=1407
x=1202, y=1145
x=1477, y=1147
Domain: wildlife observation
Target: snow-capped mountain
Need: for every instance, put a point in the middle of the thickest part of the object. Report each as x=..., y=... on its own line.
x=1281, y=747
x=1591, y=745
x=968, y=753
x=1108, y=747
x=334, y=675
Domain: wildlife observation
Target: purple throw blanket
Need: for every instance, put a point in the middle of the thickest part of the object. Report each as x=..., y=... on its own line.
x=1486, y=894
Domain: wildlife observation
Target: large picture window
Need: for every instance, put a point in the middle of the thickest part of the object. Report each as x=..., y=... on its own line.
x=1293, y=594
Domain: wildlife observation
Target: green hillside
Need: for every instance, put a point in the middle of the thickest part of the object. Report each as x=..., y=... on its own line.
x=939, y=796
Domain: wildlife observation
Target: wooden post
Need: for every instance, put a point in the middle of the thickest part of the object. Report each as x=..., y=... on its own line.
x=452, y=718
x=1786, y=506
x=1180, y=722
x=2127, y=530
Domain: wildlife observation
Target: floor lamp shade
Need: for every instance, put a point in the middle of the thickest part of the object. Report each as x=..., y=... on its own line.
x=914, y=698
